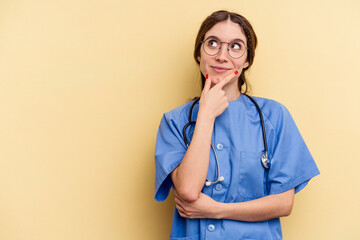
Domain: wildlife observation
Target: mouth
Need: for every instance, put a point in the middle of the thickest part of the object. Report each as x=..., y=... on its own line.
x=219, y=69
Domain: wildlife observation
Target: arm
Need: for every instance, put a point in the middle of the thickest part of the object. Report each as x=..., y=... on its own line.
x=189, y=177
x=261, y=209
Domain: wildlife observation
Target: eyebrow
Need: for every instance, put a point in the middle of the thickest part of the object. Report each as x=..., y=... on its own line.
x=234, y=40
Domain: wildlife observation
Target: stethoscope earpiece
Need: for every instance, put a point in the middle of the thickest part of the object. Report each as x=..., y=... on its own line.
x=208, y=183
x=220, y=178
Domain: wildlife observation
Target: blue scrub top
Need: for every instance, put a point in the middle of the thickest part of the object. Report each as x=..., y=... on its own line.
x=237, y=138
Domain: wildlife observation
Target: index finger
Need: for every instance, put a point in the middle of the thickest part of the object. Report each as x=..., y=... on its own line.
x=227, y=79
x=207, y=84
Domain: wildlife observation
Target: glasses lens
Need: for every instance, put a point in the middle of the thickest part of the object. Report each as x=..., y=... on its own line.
x=237, y=49
x=211, y=46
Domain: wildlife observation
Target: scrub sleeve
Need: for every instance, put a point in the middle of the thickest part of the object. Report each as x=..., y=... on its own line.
x=292, y=165
x=169, y=152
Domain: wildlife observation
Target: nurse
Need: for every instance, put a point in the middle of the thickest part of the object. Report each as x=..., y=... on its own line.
x=221, y=189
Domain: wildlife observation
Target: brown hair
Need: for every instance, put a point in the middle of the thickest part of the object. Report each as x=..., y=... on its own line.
x=251, y=39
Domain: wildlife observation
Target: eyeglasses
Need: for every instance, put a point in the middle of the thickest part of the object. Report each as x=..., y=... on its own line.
x=236, y=49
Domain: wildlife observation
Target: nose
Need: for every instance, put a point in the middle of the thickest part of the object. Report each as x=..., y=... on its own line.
x=223, y=52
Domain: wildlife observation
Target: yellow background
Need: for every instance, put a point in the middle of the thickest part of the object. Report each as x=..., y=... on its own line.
x=84, y=84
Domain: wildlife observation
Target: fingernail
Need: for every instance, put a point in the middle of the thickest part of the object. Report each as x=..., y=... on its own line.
x=236, y=72
x=207, y=76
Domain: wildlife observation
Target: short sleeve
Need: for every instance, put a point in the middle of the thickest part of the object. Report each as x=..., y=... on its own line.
x=169, y=152
x=292, y=165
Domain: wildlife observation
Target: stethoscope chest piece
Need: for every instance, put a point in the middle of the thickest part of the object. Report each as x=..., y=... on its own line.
x=265, y=161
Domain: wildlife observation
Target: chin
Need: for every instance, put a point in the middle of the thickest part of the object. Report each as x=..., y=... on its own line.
x=216, y=80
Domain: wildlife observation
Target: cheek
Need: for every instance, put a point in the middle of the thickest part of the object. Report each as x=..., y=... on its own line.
x=203, y=68
x=240, y=65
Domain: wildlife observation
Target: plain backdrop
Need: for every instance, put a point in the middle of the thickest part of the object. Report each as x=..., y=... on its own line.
x=84, y=84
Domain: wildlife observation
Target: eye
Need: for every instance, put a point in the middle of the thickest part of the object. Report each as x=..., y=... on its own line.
x=213, y=43
x=236, y=46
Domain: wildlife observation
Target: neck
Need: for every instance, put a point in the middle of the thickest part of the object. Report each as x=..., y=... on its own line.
x=232, y=92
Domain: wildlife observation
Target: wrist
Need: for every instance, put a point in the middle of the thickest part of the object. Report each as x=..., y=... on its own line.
x=205, y=116
x=219, y=210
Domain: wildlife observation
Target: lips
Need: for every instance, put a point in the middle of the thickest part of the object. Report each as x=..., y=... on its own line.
x=219, y=69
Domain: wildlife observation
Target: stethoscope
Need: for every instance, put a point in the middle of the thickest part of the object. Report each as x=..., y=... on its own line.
x=264, y=155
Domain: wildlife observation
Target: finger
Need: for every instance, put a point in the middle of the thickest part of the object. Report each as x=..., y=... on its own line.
x=227, y=79
x=182, y=214
x=177, y=195
x=207, y=84
x=177, y=201
x=181, y=210
x=179, y=207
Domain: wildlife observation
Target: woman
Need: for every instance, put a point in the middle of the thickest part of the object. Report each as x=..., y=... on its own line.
x=227, y=183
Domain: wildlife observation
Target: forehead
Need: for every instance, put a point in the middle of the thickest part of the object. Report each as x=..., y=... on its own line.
x=226, y=31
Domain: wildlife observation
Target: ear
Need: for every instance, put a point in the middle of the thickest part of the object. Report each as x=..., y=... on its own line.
x=246, y=64
x=198, y=58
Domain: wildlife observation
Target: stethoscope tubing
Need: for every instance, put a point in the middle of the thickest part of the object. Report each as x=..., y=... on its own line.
x=264, y=156
x=262, y=122
x=189, y=122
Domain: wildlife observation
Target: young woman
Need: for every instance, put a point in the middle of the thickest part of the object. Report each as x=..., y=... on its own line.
x=236, y=170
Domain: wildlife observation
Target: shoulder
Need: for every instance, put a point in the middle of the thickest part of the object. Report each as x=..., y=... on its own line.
x=269, y=105
x=179, y=114
x=273, y=111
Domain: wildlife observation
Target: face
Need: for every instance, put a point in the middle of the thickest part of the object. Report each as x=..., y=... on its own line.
x=221, y=64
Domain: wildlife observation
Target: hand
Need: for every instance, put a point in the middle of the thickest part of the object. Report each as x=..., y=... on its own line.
x=213, y=99
x=203, y=207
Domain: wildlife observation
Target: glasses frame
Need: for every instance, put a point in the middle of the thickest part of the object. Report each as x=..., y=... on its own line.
x=228, y=48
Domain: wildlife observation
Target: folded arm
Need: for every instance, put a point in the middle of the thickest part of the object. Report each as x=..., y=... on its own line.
x=261, y=209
